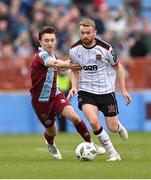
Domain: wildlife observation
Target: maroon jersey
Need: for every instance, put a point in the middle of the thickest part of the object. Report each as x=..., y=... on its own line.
x=43, y=78
x=47, y=100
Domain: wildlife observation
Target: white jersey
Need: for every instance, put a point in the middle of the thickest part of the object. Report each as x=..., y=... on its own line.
x=97, y=75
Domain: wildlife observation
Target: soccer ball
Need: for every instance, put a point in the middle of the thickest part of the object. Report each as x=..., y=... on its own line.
x=85, y=151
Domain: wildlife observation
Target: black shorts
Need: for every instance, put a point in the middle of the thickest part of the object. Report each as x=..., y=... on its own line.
x=106, y=103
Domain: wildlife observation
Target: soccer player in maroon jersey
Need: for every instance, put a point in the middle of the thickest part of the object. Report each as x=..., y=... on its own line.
x=47, y=99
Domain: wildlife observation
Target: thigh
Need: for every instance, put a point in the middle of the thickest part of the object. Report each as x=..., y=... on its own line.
x=45, y=113
x=64, y=108
x=88, y=104
x=70, y=113
x=60, y=103
x=91, y=112
x=108, y=105
x=85, y=98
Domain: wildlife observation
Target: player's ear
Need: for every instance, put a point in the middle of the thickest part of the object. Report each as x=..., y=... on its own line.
x=40, y=43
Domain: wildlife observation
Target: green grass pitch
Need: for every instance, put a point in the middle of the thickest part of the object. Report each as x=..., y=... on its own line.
x=27, y=156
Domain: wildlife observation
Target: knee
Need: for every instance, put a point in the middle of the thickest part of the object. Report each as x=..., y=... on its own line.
x=95, y=123
x=51, y=131
x=113, y=127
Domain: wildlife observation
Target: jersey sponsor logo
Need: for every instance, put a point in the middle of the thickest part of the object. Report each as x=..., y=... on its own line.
x=98, y=57
x=90, y=68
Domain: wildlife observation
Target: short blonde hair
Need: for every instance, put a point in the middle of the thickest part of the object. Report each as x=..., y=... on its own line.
x=87, y=22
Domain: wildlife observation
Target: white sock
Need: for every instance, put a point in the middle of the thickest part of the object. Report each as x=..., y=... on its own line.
x=120, y=126
x=105, y=140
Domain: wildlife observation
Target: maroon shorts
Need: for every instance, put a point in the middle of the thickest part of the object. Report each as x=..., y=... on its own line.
x=46, y=111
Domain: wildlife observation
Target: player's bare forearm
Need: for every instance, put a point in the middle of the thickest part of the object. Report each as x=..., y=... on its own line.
x=74, y=83
x=63, y=65
x=62, y=69
x=58, y=63
x=74, y=78
x=121, y=78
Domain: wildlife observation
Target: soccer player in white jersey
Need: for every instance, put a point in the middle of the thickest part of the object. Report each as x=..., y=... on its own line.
x=95, y=84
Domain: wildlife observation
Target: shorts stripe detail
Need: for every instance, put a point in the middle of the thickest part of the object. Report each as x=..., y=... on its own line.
x=115, y=102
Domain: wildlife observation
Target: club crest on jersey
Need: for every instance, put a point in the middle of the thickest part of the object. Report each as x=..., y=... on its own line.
x=98, y=57
x=111, y=108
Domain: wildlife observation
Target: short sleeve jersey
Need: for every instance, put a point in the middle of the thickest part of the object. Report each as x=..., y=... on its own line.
x=97, y=75
x=44, y=85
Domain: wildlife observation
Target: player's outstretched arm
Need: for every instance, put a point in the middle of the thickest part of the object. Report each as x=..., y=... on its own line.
x=63, y=65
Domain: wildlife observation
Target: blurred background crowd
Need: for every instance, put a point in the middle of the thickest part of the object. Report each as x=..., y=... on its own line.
x=125, y=24
x=122, y=23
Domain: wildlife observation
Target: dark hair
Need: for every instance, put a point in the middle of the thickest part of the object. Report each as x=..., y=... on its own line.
x=48, y=29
